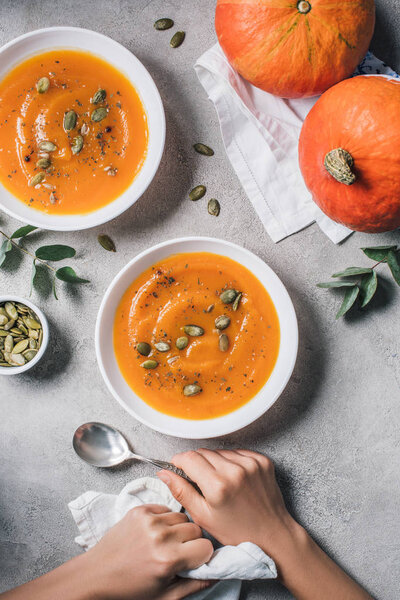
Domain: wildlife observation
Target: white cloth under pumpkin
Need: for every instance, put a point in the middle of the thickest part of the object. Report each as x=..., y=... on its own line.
x=260, y=133
x=94, y=513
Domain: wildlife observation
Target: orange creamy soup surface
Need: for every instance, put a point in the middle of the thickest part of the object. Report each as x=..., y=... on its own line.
x=73, y=132
x=196, y=335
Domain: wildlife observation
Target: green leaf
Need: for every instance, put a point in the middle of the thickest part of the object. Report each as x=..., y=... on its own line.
x=394, y=266
x=378, y=253
x=352, y=271
x=53, y=287
x=23, y=231
x=336, y=284
x=4, y=248
x=348, y=301
x=368, y=287
x=33, y=275
x=68, y=274
x=55, y=252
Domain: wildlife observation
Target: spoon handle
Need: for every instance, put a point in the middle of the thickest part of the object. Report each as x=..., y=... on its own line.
x=162, y=464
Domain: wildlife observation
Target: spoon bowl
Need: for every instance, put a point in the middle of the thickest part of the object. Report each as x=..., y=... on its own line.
x=100, y=445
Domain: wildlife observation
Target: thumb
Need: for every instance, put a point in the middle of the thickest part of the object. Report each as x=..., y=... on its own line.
x=183, y=491
x=186, y=587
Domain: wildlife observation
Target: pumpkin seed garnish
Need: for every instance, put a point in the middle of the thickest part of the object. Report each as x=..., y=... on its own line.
x=163, y=24
x=36, y=179
x=192, y=389
x=182, y=342
x=203, y=149
x=10, y=309
x=70, y=118
x=98, y=114
x=47, y=146
x=143, y=348
x=32, y=323
x=213, y=207
x=177, y=39
x=99, y=96
x=162, y=346
x=197, y=192
x=193, y=330
x=53, y=198
x=29, y=354
x=21, y=346
x=8, y=343
x=222, y=322
x=223, y=342
x=43, y=163
x=236, y=303
x=77, y=144
x=149, y=364
x=15, y=341
x=107, y=243
x=3, y=320
x=8, y=326
x=228, y=296
x=210, y=308
x=43, y=85
x=17, y=359
x=85, y=129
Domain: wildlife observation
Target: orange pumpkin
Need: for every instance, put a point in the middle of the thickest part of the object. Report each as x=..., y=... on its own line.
x=294, y=48
x=349, y=153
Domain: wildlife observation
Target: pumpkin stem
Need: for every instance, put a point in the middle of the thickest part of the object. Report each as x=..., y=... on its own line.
x=338, y=163
x=303, y=6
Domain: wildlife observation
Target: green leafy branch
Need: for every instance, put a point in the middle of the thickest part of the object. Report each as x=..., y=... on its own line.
x=52, y=253
x=366, y=283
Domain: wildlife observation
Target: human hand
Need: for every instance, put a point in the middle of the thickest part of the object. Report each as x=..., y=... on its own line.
x=242, y=500
x=141, y=556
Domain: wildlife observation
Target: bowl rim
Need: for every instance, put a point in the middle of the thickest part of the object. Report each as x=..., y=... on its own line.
x=223, y=430
x=46, y=334
x=131, y=199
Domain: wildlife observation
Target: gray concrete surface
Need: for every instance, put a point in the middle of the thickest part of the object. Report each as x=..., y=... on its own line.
x=334, y=433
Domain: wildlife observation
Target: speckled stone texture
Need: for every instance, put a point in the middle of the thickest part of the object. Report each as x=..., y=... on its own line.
x=334, y=433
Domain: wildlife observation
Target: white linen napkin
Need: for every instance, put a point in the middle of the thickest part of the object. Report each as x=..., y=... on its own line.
x=260, y=133
x=94, y=513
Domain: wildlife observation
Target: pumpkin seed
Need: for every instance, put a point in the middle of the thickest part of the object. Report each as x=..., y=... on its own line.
x=3, y=333
x=36, y=179
x=177, y=39
x=150, y=364
x=43, y=163
x=47, y=146
x=210, y=308
x=222, y=322
x=143, y=348
x=32, y=344
x=197, y=192
x=213, y=207
x=223, y=342
x=32, y=323
x=163, y=24
x=33, y=334
x=21, y=308
x=11, y=310
x=193, y=330
x=228, y=296
x=22, y=327
x=99, y=96
x=43, y=85
x=16, y=330
x=40, y=338
x=29, y=354
x=53, y=198
x=203, y=149
x=98, y=114
x=2, y=311
x=70, y=118
x=3, y=319
x=44, y=155
x=107, y=243
x=192, y=389
x=162, y=346
x=85, y=129
x=182, y=342
x=17, y=359
x=9, y=344
x=172, y=359
x=236, y=303
x=21, y=346
x=77, y=144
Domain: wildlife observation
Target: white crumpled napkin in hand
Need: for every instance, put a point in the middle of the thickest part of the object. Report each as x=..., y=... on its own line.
x=261, y=132
x=94, y=513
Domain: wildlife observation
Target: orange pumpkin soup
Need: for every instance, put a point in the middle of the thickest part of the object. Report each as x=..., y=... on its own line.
x=192, y=301
x=73, y=132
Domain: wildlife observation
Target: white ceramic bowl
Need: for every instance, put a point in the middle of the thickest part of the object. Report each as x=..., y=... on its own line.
x=207, y=428
x=45, y=326
x=83, y=39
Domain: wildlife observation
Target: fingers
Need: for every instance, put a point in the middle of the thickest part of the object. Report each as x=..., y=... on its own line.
x=196, y=466
x=172, y=518
x=155, y=509
x=186, y=532
x=193, y=554
x=183, y=491
x=186, y=587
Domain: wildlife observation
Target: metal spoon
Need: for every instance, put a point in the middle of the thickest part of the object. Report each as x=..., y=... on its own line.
x=103, y=446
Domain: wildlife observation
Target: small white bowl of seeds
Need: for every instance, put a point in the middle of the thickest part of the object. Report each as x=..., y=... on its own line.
x=24, y=335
